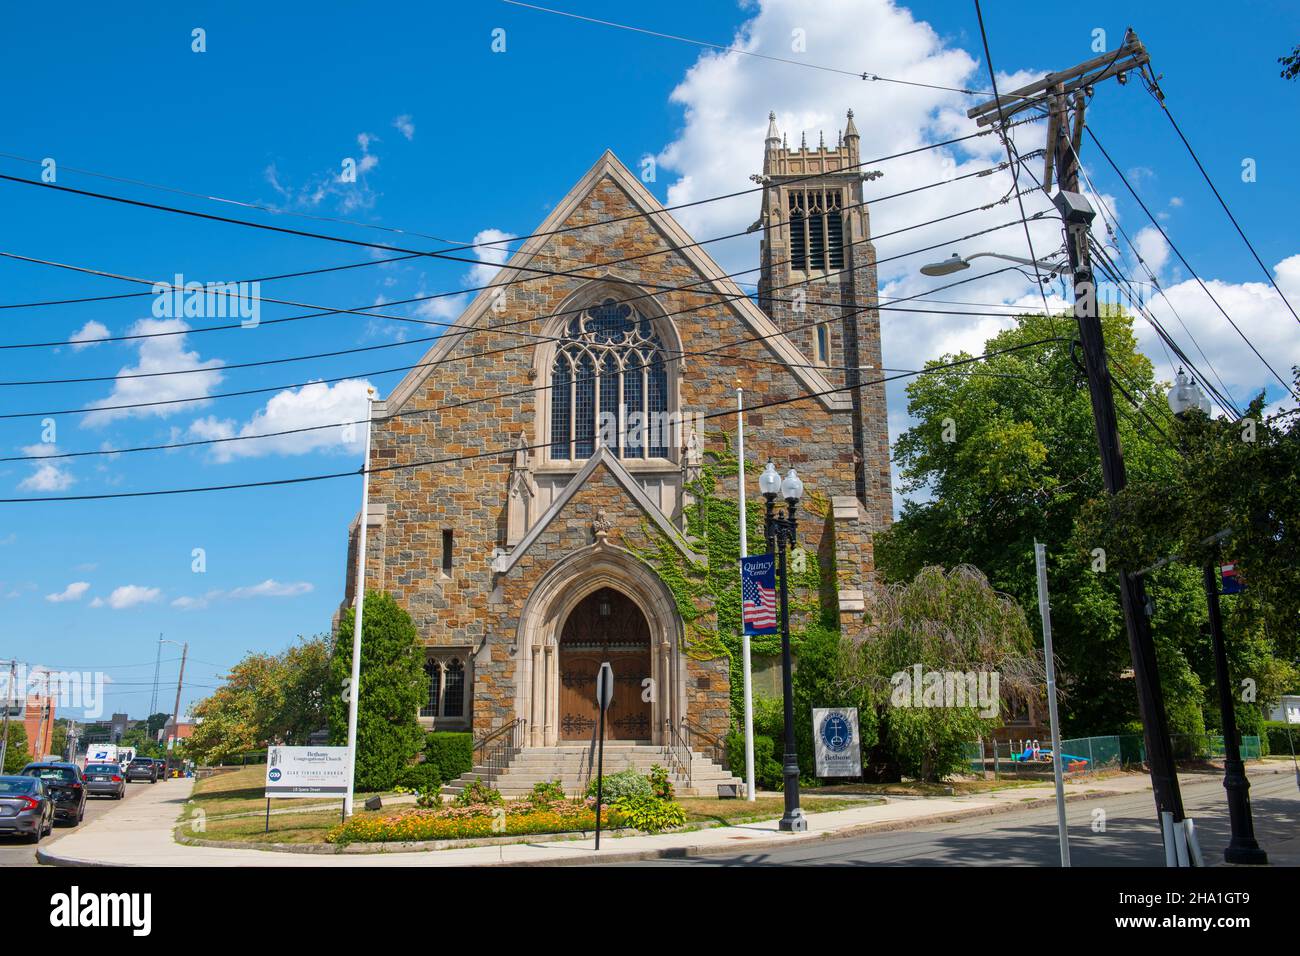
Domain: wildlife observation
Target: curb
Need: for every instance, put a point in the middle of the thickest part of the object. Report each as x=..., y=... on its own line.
x=674, y=852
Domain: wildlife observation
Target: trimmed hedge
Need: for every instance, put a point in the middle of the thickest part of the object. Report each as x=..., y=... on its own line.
x=421, y=777
x=451, y=753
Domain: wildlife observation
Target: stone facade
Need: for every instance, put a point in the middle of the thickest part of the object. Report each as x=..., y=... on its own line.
x=529, y=534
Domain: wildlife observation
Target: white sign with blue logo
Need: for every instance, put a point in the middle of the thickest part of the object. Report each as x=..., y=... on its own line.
x=306, y=771
x=836, y=742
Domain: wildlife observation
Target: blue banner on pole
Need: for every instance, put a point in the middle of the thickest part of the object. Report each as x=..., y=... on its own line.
x=758, y=594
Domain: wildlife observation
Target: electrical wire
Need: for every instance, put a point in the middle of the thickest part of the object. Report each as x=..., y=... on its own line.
x=1181, y=258
x=1268, y=274
x=513, y=449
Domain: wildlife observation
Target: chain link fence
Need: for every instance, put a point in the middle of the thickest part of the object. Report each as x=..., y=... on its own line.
x=1030, y=757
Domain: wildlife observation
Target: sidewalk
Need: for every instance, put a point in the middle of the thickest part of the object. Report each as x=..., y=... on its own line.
x=139, y=833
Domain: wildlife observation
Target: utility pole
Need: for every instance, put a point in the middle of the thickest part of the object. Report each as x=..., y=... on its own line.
x=157, y=662
x=176, y=711
x=9, y=705
x=1061, y=92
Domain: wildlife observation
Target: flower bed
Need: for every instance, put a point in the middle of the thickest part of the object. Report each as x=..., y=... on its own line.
x=478, y=820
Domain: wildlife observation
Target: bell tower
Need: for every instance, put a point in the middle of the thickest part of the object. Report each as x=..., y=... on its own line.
x=818, y=283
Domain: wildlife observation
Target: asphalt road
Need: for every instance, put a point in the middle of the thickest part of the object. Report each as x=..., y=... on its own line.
x=14, y=851
x=1029, y=837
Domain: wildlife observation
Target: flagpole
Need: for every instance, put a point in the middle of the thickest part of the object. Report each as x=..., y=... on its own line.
x=354, y=686
x=744, y=638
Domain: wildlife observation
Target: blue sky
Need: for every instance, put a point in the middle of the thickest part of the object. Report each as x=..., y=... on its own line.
x=456, y=141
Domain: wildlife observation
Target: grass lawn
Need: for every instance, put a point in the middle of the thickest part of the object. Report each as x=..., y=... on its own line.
x=239, y=791
x=713, y=810
x=285, y=828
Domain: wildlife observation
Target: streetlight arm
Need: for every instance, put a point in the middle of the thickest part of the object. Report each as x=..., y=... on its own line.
x=1039, y=263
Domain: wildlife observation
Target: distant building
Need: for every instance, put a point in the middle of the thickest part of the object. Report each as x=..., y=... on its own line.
x=1287, y=709
x=38, y=721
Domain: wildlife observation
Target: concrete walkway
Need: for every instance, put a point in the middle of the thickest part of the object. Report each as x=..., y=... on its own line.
x=139, y=833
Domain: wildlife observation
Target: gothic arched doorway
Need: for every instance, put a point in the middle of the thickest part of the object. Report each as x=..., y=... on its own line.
x=606, y=625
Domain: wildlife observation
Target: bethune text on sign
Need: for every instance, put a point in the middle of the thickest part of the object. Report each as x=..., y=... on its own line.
x=306, y=771
x=836, y=742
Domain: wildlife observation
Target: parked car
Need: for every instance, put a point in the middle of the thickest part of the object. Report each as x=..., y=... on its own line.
x=162, y=767
x=65, y=783
x=105, y=780
x=142, y=768
x=26, y=807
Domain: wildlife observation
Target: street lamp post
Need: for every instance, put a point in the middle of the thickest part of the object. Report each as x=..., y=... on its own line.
x=1185, y=397
x=780, y=528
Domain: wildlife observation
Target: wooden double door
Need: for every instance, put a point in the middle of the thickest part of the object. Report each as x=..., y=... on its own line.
x=605, y=626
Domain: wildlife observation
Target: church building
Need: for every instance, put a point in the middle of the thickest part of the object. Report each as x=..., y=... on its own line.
x=575, y=415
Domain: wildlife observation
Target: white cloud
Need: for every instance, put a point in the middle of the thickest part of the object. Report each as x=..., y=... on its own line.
x=73, y=592
x=315, y=404
x=1153, y=249
x=47, y=477
x=129, y=595
x=725, y=98
x=164, y=353
x=493, y=256
x=91, y=330
x=404, y=125
x=270, y=588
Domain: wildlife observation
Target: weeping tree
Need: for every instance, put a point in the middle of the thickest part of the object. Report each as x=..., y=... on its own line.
x=940, y=656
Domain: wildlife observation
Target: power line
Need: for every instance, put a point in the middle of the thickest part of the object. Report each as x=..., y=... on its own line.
x=403, y=414
x=373, y=262
x=1011, y=160
x=1181, y=258
x=1108, y=268
x=734, y=49
x=495, y=284
x=1112, y=224
x=503, y=327
x=445, y=252
x=1268, y=273
x=400, y=368
x=511, y=450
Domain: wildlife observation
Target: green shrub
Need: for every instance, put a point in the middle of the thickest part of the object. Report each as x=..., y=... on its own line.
x=478, y=793
x=659, y=782
x=452, y=753
x=546, y=791
x=625, y=783
x=767, y=769
x=393, y=686
x=1281, y=738
x=650, y=813
x=421, y=777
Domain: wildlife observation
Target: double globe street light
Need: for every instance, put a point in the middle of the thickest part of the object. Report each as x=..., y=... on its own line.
x=779, y=530
x=1184, y=398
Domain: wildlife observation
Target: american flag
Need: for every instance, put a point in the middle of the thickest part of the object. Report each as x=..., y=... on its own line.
x=758, y=594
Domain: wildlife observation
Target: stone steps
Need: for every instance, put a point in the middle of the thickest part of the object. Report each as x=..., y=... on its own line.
x=574, y=767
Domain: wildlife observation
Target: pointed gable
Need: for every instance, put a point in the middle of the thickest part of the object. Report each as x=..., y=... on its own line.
x=532, y=259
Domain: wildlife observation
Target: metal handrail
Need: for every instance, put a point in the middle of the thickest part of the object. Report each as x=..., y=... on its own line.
x=677, y=751
x=716, y=749
x=494, y=751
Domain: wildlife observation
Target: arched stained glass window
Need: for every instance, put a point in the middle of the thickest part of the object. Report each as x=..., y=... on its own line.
x=610, y=352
